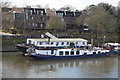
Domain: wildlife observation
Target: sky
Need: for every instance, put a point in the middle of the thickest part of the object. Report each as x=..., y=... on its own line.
x=77, y=4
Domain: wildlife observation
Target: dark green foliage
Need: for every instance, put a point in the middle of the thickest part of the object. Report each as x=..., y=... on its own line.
x=102, y=21
x=12, y=41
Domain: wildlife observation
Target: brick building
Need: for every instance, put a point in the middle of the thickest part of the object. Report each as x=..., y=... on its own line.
x=31, y=18
x=7, y=18
x=35, y=18
x=69, y=17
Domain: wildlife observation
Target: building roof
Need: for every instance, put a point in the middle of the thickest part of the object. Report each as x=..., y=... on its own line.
x=60, y=39
x=50, y=12
x=17, y=10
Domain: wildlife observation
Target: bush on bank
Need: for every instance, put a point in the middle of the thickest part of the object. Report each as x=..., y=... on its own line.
x=11, y=42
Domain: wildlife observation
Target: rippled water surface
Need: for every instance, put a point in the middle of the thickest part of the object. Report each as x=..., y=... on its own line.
x=14, y=65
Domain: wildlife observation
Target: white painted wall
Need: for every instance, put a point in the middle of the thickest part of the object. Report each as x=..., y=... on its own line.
x=80, y=43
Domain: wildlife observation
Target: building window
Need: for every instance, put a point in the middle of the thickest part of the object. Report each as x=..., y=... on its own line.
x=41, y=25
x=33, y=24
x=32, y=17
x=42, y=18
x=37, y=12
x=41, y=12
x=71, y=21
x=36, y=25
x=60, y=14
x=29, y=24
x=61, y=53
x=62, y=19
x=31, y=12
x=26, y=15
x=66, y=52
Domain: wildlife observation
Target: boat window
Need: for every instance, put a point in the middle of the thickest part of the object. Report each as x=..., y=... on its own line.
x=37, y=48
x=33, y=42
x=37, y=43
x=94, y=52
x=40, y=43
x=77, y=52
x=66, y=52
x=72, y=52
x=51, y=43
x=83, y=43
x=57, y=43
x=99, y=52
x=67, y=43
x=74, y=43
x=52, y=52
x=62, y=43
x=85, y=53
x=45, y=43
x=61, y=53
x=29, y=42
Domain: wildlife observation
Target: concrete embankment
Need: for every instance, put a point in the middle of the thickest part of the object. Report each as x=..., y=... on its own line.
x=9, y=48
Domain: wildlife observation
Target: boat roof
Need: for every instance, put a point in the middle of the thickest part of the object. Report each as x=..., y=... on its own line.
x=46, y=45
x=59, y=39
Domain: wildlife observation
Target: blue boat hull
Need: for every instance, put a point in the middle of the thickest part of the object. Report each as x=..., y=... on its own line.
x=115, y=52
x=51, y=57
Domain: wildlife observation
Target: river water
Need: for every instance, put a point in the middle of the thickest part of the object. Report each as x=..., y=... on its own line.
x=14, y=65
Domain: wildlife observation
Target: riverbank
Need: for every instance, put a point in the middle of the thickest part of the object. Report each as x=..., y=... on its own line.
x=9, y=44
x=9, y=50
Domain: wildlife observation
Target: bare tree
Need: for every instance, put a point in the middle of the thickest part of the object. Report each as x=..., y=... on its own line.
x=67, y=7
x=55, y=22
x=38, y=6
x=5, y=3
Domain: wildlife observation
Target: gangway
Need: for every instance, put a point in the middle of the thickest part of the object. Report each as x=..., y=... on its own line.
x=50, y=35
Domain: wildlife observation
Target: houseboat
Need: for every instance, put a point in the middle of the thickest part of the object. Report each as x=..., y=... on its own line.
x=113, y=47
x=48, y=52
x=59, y=42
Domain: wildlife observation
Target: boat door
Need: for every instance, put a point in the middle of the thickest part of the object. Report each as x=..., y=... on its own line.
x=53, y=52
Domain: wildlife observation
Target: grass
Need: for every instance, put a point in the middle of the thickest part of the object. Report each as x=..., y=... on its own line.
x=11, y=42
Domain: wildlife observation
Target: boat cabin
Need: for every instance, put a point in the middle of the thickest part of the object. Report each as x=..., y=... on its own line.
x=59, y=42
x=65, y=52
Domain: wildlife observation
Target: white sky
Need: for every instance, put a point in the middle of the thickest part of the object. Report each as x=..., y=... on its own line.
x=78, y=4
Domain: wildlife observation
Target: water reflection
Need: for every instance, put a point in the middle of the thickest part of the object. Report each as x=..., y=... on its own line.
x=17, y=66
